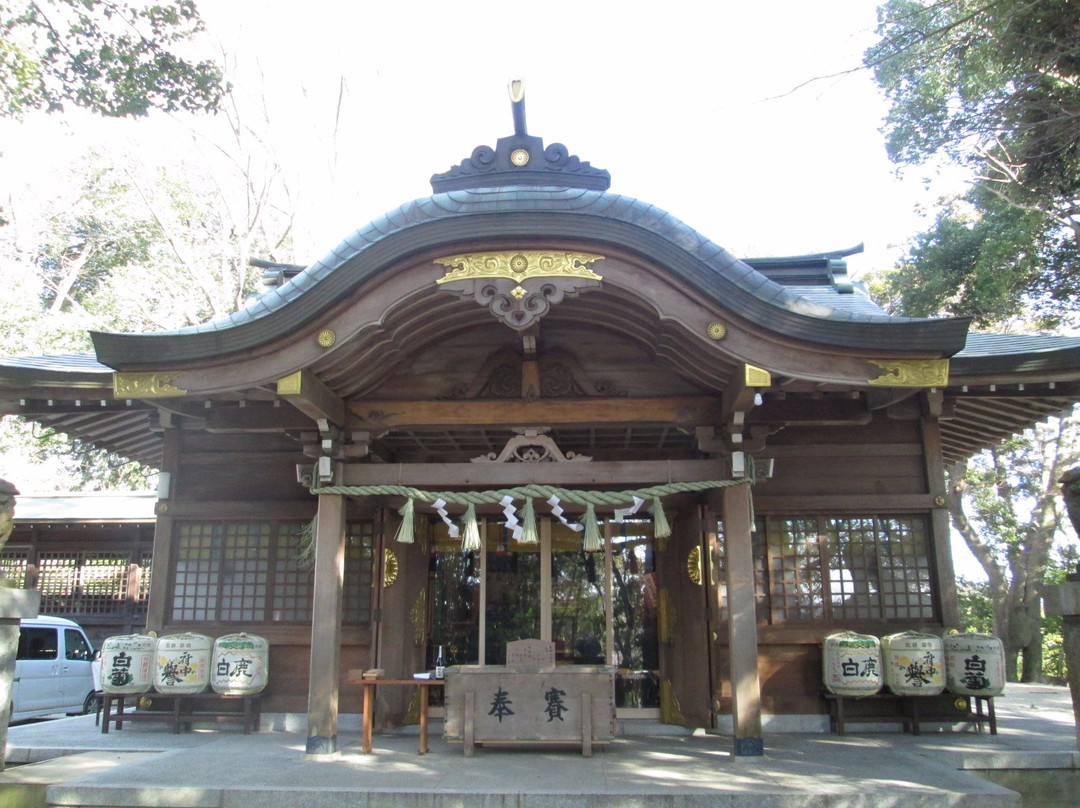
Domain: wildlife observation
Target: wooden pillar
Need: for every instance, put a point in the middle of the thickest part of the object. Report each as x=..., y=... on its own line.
x=940, y=527
x=742, y=622
x=326, y=626
x=161, y=572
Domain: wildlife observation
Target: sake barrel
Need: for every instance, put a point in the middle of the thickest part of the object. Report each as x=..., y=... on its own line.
x=240, y=664
x=851, y=664
x=183, y=663
x=127, y=663
x=914, y=663
x=974, y=664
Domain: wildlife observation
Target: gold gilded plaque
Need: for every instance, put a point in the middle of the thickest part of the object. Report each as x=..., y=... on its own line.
x=518, y=265
x=146, y=385
x=326, y=338
x=911, y=372
x=757, y=377
x=717, y=330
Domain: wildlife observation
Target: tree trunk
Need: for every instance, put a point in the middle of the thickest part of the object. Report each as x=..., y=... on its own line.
x=1070, y=491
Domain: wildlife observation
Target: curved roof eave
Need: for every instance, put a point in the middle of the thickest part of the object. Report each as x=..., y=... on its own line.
x=532, y=212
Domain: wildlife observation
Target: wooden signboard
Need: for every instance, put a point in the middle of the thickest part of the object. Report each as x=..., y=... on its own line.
x=530, y=654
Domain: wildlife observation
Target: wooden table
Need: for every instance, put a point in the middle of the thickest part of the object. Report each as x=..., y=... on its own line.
x=369, y=705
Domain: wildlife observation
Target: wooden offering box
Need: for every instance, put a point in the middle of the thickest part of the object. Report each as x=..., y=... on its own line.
x=516, y=704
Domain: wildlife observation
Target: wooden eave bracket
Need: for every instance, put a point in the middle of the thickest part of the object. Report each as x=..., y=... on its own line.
x=739, y=398
x=305, y=391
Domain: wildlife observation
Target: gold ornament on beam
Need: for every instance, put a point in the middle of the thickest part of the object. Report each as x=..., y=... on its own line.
x=146, y=385
x=756, y=377
x=911, y=372
x=717, y=330
x=519, y=265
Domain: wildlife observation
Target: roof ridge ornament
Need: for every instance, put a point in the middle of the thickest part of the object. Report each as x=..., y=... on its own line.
x=521, y=159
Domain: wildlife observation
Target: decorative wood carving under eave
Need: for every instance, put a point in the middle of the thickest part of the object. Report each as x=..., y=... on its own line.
x=531, y=445
x=519, y=287
x=561, y=376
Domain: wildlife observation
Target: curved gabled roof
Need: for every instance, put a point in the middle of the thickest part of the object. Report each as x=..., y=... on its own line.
x=552, y=213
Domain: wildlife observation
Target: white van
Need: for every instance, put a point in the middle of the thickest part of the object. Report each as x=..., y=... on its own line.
x=54, y=669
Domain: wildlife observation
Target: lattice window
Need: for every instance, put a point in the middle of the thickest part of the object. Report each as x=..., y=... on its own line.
x=359, y=542
x=292, y=580
x=876, y=568
x=142, y=589
x=13, y=566
x=252, y=572
x=794, y=570
x=906, y=583
x=58, y=581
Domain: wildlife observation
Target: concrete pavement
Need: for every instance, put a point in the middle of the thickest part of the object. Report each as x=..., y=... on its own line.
x=143, y=766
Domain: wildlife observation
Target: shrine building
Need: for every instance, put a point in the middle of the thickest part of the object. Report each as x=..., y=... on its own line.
x=600, y=428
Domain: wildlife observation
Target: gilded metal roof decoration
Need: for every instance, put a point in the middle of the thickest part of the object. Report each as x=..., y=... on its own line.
x=521, y=159
x=390, y=568
x=519, y=265
x=326, y=338
x=146, y=385
x=911, y=372
x=757, y=377
x=519, y=286
x=717, y=330
x=693, y=565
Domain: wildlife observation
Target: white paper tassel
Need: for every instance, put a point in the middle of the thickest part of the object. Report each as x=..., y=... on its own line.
x=440, y=508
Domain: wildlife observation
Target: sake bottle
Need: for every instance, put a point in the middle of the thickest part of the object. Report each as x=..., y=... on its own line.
x=440, y=664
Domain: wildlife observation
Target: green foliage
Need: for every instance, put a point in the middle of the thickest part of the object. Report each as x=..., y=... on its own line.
x=993, y=85
x=988, y=260
x=992, y=82
x=44, y=460
x=1005, y=504
x=976, y=613
x=112, y=58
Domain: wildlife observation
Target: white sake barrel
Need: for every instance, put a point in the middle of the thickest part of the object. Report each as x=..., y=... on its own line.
x=914, y=663
x=851, y=664
x=127, y=663
x=183, y=663
x=240, y=664
x=974, y=665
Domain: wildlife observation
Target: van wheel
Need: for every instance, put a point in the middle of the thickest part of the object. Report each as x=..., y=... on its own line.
x=91, y=702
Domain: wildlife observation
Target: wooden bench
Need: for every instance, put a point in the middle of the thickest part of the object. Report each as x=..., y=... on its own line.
x=184, y=710
x=908, y=711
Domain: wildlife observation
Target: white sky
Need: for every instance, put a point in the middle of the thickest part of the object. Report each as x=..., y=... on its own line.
x=691, y=106
x=687, y=104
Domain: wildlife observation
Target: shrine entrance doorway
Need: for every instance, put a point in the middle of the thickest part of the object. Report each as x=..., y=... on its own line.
x=598, y=608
